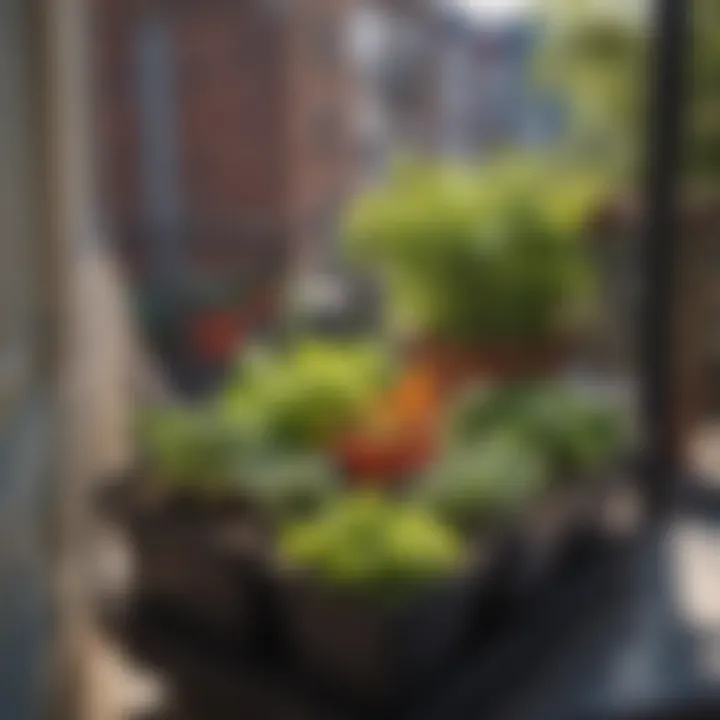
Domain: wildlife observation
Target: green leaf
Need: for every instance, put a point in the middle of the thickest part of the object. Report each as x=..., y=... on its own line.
x=370, y=545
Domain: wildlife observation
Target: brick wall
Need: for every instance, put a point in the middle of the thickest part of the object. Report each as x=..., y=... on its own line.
x=262, y=98
x=320, y=106
x=231, y=106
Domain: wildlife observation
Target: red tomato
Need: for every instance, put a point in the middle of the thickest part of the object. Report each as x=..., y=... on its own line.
x=384, y=460
x=216, y=336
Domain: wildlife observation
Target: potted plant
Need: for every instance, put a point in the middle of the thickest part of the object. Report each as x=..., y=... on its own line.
x=196, y=521
x=480, y=486
x=372, y=595
x=587, y=436
x=216, y=478
x=549, y=447
x=487, y=269
x=579, y=429
x=188, y=521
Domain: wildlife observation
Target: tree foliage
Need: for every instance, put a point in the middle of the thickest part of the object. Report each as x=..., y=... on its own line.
x=599, y=54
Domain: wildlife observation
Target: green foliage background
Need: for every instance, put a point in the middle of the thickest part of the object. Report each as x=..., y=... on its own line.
x=598, y=53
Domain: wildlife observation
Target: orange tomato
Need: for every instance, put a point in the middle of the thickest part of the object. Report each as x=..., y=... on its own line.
x=416, y=399
x=398, y=436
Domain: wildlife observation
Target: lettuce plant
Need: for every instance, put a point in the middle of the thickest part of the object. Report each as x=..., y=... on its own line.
x=369, y=546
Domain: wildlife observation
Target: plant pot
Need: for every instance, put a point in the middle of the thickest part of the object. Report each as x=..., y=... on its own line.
x=375, y=655
x=456, y=365
x=179, y=567
x=550, y=526
x=194, y=562
x=619, y=510
x=542, y=532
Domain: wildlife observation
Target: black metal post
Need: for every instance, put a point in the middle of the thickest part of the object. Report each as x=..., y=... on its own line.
x=661, y=251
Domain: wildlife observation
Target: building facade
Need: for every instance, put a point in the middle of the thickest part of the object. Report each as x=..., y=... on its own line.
x=488, y=98
x=396, y=56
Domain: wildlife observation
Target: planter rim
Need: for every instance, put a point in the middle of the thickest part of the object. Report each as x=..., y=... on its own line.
x=296, y=577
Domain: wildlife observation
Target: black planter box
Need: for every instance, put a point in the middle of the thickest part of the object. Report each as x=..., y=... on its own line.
x=604, y=505
x=196, y=563
x=181, y=565
x=546, y=528
x=481, y=683
x=356, y=647
x=211, y=568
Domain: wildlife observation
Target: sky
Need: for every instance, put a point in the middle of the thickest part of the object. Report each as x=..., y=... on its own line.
x=494, y=9
x=505, y=8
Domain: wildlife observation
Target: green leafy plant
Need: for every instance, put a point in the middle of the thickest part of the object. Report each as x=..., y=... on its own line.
x=370, y=546
x=580, y=430
x=193, y=450
x=259, y=435
x=302, y=398
x=482, y=408
x=508, y=444
x=493, y=255
x=291, y=486
x=576, y=429
x=486, y=481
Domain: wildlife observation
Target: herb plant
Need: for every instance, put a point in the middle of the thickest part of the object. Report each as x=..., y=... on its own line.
x=486, y=481
x=477, y=257
x=576, y=429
